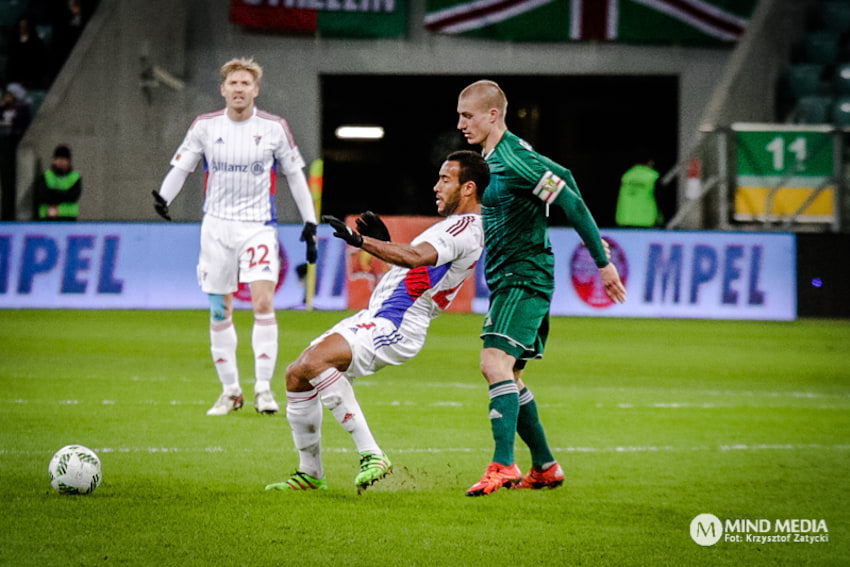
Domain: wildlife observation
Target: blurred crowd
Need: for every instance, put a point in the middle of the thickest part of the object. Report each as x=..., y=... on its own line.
x=36, y=38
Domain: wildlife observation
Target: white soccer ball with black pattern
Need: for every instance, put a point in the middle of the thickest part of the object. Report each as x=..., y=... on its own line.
x=75, y=469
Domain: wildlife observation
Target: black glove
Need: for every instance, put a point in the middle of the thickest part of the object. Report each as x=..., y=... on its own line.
x=160, y=206
x=341, y=230
x=370, y=224
x=308, y=235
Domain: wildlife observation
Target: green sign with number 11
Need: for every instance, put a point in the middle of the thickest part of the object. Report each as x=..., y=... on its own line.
x=778, y=153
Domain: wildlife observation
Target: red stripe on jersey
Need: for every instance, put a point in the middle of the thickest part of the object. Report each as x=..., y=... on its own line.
x=417, y=281
x=206, y=116
x=444, y=298
x=459, y=226
x=284, y=124
x=268, y=115
x=272, y=181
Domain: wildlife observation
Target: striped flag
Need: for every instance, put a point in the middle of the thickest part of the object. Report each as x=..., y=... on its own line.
x=694, y=22
x=328, y=18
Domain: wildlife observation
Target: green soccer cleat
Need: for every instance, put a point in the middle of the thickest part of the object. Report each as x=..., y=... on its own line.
x=372, y=469
x=300, y=481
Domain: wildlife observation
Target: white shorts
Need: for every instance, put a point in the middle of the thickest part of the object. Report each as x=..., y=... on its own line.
x=236, y=251
x=375, y=342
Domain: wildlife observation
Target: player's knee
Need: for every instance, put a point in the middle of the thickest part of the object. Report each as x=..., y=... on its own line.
x=493, y=369
x=262, y=297
x=264, y=305
x=487, y=370
x=218, y=307
x=485, y=365
x=297, y=379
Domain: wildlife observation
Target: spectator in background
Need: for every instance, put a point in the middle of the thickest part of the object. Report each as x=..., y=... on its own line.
x=15, y=111
x=57, y=191
x=67, y=28
x=28, y=63
x=636, y=204
x=15, y=116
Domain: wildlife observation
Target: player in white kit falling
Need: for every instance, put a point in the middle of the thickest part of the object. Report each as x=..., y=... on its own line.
x=426, y=277
x=243, y=149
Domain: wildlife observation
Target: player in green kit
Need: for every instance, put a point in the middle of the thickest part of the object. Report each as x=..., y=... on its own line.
x=519, y=269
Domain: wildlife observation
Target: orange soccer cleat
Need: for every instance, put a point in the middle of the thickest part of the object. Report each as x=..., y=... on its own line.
x=553, y=477
x=495, y=477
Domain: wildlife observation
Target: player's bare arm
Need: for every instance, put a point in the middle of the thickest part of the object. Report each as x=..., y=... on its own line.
x=403, y=255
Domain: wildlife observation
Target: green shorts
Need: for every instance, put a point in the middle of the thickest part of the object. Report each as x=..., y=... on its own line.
x=517, y=322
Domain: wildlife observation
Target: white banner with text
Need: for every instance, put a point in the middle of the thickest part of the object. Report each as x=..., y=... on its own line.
x=711, y=275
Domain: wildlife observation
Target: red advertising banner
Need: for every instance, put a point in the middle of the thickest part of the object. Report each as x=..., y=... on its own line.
x=329, y=18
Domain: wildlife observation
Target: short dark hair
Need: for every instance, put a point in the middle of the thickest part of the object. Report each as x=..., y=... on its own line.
x=62, y=151
x=473, y=168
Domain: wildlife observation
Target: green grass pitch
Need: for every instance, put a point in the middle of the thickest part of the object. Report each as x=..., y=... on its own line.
x=654, y=421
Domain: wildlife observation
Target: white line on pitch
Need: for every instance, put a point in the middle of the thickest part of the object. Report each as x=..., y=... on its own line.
x=445, y=403
x=615, y=449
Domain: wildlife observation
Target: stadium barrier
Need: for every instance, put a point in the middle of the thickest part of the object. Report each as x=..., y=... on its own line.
x=712, y=275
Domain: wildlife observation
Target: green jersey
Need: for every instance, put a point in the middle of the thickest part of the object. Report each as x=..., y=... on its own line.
x=514, y=209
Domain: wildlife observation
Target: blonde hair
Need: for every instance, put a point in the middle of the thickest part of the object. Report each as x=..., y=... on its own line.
x=489, y=93
x=242, y=64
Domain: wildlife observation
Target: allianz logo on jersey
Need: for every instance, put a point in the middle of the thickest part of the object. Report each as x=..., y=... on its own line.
x=223, y=167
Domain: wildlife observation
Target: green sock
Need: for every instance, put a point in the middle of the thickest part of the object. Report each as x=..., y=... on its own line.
x=531, y=430
x=504, y=409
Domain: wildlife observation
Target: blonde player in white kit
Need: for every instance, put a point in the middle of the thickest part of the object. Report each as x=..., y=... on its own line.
x=426, y=277
x=243, y=149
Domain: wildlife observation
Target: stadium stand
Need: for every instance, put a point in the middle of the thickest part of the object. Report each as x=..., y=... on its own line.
x=714, y=90
x=819, y=66
x=842, y=78
x=814, y=109
x=821, y=46
x=835, y=15
x=805, y=79
x=841, y=111
x=11, y=11
x=56, y=28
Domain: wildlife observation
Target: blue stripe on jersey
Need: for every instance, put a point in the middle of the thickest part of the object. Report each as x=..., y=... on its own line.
x=272, y=211
x=272, y=194
x=415, y=283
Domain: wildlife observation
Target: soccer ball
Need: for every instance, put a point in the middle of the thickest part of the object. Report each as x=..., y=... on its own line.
x=75, y=469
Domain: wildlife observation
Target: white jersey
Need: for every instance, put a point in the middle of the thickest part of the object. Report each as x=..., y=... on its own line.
x=241, y=161
x=410, y=298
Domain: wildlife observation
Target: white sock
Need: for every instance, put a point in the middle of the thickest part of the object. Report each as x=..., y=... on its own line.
x=337, y=395
x=223, y=348
x=304, y=413
x=264, y=342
